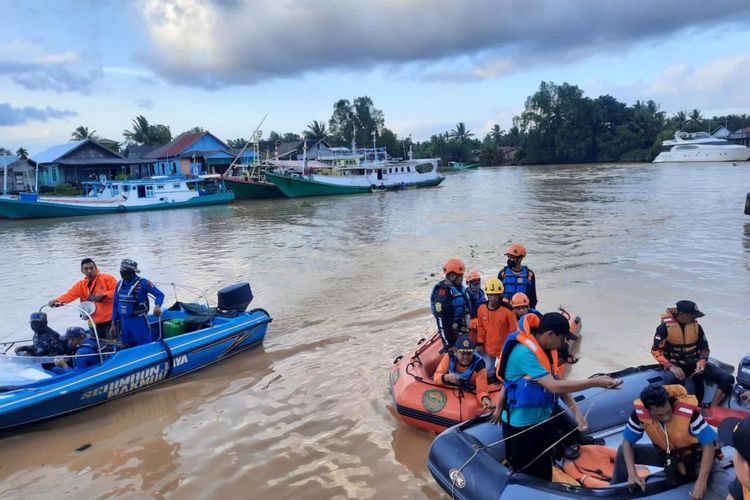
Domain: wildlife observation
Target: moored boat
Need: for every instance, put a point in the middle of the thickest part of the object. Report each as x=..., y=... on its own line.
x=116, y=196
x=700, y=147
x=460, y=165
x=222, y=333
x=354, y=179
x=248, y=182
x=420, y=402
x=467, y=460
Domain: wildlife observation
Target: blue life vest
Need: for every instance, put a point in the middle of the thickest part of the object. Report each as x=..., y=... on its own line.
x=523, y=392
x=128, y=303
x=460, y=302
x=515, y=282
x=465, y=375
x=475, y=300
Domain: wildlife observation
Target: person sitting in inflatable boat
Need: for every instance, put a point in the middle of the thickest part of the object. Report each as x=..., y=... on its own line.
x=683, y=442
x=464, y=368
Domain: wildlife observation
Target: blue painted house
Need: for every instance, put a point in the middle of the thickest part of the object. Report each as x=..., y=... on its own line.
x=191, y=154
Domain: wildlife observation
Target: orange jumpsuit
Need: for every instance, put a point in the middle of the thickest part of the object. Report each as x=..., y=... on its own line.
x=493, y=327
x=478, y=378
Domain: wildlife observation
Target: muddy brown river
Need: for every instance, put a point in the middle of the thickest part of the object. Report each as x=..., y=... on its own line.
x=347, y=280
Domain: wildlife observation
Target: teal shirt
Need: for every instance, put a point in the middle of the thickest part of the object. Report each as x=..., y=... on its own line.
x=522, y=362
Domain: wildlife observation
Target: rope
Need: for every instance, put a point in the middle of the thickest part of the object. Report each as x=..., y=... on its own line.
x=480, y=448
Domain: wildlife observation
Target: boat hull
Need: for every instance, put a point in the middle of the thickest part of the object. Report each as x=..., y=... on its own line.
x=297, y=186
x=250, y=189
x=132, y=370
x=702, y=155
x=23, y=209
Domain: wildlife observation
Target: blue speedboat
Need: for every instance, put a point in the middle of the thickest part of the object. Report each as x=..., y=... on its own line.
x=42, y=394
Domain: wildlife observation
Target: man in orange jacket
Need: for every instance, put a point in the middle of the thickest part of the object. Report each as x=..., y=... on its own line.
x=95, y=287
x=464, y=369
x=494, y=324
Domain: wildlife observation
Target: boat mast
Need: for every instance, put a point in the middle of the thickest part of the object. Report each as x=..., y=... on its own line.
x=244, y=146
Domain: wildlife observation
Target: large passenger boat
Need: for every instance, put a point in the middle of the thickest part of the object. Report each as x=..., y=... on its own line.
x=112, y=196
x=700, y=147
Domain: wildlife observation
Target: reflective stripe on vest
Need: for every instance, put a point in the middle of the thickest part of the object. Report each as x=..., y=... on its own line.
x=515, y=282
x=682, y=340
x=674, y=436
x=468, y=372
x=128, y=303
x=525, y=392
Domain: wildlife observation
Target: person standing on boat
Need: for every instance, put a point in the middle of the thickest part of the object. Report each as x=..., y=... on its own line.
x=680, y=346
x=516, y=277
x=95, y=287
x=530, y=373
x=736, y=433
x=466, y=369
x=129, y=314
x=450, y=303
x=84, y=348
x=477, y=296
x=494, y=324
x=46, y=341
x=682, y=441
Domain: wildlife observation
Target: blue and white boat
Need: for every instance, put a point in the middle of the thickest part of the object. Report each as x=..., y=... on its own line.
x=40, y=394
x=113, y=196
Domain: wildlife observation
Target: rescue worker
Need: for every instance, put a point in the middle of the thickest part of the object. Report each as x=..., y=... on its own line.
x=736, y=433
x=520, y=304
x=450, y=303
x=46, y=341
x=683, y=442
x=131, y=305
x=494, y=324
x=84, y=349
x=475, y=293
x=529, y=370
x=464, y=368
x=95, y=287
x=516, y=277
x=680, y=346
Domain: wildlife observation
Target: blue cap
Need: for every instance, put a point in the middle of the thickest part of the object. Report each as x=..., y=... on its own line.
x=464, y=343
x=129, y=264
x=38, y=316
x=75, y=332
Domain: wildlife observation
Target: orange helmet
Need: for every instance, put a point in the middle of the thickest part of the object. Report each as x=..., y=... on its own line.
x=454, y=266
x=516, y=250
x=519, y=300
x=472, y=276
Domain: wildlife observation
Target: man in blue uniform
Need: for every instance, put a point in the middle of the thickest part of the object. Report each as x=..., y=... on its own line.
x=85, y=351
x=46, y=342
x=516, y=277
x=450, y=304
x=130, y=308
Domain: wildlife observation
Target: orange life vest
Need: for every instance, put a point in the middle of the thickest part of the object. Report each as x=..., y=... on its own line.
x=521, y=337
x=674, y=436
x=682, y=340
x=595, y=466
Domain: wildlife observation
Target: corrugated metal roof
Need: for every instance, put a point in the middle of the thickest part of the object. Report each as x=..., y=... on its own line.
x=55, y=152
x=175, y=147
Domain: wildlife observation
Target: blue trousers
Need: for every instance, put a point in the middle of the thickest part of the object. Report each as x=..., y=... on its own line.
x=135, y=331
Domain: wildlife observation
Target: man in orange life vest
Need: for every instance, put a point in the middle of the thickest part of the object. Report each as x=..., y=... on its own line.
x=464, y=368
x=682, y=439
x=736, y=433
x=494, y=324
x=95, y=287
x=680, y=346
x=529, y=369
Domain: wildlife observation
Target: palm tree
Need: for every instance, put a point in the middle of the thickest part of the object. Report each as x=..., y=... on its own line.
x=81, y=133
x=317, y=130
x=695, y=116
x=22, y=154
x=680, y=118
x=496, y=134
x=140, y=133
x=461, y=133
x=238, y=143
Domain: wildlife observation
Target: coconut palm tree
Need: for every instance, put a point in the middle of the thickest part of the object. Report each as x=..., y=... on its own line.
x=22, y=154
x=81, y=133
x=316, y=130
x=461, y=133
x=238, y=143
x=140, y=133
x=496, y=134
x=695, y=116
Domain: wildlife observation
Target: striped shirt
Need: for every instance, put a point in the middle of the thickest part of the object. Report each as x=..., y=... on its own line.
x=698, y=428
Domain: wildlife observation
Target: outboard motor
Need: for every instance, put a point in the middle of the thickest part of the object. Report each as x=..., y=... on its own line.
x=234, y=299
x=743, y=376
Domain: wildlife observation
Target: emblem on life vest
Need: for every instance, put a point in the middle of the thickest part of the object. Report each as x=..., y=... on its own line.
x=434, y=400
x=395, y=374
x=520, y=280
x=457, y=478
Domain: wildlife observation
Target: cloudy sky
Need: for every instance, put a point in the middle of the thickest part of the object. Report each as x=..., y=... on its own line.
x=427, y=64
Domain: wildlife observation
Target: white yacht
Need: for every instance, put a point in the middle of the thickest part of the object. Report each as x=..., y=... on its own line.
x=700, y=146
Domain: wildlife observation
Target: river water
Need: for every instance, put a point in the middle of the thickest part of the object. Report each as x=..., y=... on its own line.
x=347, y=280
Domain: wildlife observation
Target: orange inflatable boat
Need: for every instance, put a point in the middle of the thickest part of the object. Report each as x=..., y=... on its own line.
x=424, y=404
